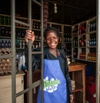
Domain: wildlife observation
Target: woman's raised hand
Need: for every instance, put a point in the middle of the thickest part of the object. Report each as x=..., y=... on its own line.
x=29, y=36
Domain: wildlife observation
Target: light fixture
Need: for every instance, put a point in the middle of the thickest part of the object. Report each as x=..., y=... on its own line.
x=55, y=8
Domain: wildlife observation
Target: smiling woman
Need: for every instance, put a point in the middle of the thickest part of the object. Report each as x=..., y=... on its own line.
x=55, y=69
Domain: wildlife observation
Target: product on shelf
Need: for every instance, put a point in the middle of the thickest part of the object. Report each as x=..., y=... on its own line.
x=84, y=40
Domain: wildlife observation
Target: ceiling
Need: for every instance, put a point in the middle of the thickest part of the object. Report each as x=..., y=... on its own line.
x=68, y=11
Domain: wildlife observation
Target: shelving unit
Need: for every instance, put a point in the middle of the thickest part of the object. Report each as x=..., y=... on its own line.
x=67, y=40
x=84, y=47
x=5, y=41
x=5, y=63
x=84, y=41
x=78, y=75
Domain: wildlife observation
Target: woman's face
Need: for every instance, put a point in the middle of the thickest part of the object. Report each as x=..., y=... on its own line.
x=52, y=39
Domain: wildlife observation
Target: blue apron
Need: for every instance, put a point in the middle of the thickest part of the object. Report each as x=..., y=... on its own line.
x=54, y=83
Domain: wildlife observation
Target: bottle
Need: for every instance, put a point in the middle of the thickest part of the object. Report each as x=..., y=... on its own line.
x=2, y=31
x=22, y=34
x=6, y=32
x=18, y=34
x=9, y=44
x=6, y=44
x=9, y=33
x=90, y=26
x=23, y=44
x=5, y=20
x=9, y=21
x=2, y=44
x=73, y=42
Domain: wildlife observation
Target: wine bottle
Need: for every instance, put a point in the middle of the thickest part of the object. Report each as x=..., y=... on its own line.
x=6, y=44
x=2, y=43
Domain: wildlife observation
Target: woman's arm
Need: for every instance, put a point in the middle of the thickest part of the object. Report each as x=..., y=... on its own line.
x=35, y=58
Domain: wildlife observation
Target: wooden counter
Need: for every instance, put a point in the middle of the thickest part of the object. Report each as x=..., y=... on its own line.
x=79, y=76
x=6, y=88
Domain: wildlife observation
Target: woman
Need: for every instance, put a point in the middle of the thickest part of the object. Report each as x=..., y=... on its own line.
x=57, y=83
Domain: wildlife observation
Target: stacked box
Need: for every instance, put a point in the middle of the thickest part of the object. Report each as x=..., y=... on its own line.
x=90, y=89
x=73, y=84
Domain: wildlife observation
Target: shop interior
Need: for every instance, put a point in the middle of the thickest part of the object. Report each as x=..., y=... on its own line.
x=76, y=21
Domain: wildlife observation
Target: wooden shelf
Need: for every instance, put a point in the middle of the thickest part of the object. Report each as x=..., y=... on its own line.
x=86, y=37
x=78, y=75
x=78, y=88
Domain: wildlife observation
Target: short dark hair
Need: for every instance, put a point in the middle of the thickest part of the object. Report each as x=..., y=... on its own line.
x=51, y=29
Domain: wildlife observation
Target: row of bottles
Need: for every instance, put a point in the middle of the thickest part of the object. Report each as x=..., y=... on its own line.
x=91, y=56
x=6, y=32
x=36, y=25
x=82, y=41
x=67, y=37
x=36, y=45
x=75, y=42
x=5, y=43
x=91, y=42
x=5, y=20
x=20, y=33
x=20, y=44
x=82, y=54
x=92, y=25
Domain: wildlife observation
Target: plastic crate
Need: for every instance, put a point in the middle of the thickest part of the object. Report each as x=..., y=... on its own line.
x=90, y=85
x=90, y=98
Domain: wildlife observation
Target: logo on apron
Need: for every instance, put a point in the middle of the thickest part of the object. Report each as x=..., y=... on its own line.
x=52, y=85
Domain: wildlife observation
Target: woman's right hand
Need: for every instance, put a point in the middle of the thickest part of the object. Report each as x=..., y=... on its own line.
x=29, y=36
